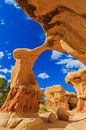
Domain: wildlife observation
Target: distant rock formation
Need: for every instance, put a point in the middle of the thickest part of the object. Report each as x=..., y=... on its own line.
x=78, y=81
x=55, y=97
x=64, y=20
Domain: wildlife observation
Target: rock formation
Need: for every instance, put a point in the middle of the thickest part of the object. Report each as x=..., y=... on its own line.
x=65, y=23
x=64, y=20
x=78, y=80
x=25, y=96
x=62, y=114
x=55, y=97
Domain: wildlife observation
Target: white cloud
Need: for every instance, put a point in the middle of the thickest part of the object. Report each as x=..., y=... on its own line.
x=55, y=55
x=2, y=22
x=6, y=70
x=43, y=75
x=67, y=62
x=1, y=55
x=28, y=17
x=9, y=55
x=70, y=64
x=2, y=76
x=12, y=2
x=9, y=80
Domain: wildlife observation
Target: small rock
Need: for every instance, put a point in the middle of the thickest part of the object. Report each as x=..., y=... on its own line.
x=62, y=114
x=52, y=118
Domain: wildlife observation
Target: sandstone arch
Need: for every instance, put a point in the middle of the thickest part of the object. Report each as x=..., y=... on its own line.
x=25, y=95
x=63, y=20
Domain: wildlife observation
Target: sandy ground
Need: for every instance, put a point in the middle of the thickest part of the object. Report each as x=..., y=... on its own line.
x=4, y=128
x=55, y=129
x=47, y=129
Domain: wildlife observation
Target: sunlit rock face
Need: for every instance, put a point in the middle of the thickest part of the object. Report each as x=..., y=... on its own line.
x=55, y=97
x=25, y=95
x=64, y=20
x=78, y=80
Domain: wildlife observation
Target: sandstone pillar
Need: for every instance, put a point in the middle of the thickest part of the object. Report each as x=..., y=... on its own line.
x=25, y=96
x=78, y=80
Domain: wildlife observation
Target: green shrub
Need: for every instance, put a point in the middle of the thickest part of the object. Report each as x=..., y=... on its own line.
x=4, y=89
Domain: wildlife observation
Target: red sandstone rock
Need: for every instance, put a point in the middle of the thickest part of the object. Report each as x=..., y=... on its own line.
x=23, y=101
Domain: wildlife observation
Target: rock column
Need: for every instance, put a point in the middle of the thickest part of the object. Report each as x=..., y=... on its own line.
x=78, y=80
x=25, y=95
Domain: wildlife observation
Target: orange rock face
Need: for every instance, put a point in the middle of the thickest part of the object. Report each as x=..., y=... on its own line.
x=25, y=95
x=78, y=80
x=55, y=97
x=64, y=20
x=23, y=101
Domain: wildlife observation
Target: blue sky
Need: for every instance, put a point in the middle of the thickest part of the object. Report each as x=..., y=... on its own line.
x=17, y=30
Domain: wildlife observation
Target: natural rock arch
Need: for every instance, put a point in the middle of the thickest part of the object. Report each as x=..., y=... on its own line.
x=63, y=23
x=25, y=95
x=64, y=20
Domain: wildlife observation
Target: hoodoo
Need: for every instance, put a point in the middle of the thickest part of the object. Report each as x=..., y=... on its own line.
x=78, y=80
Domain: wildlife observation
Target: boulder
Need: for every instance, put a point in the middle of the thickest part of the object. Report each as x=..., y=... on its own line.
x=78, y=81
x=62, y=114
x=71, y=99
x=52, y=118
